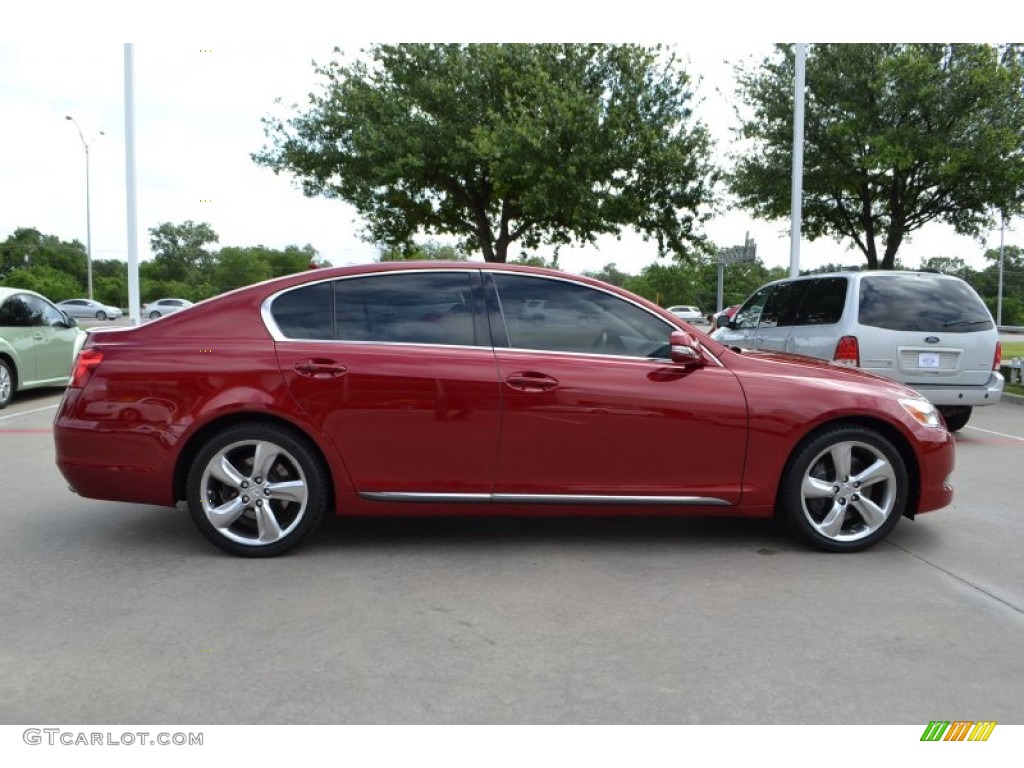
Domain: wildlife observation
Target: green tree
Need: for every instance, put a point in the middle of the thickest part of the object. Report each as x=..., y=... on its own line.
x=52, y=283
x=948, y=265
x=896, y=136
x=293, y=259
x=28, y=248
x=502, y=144
x=180, y=253
x=429, y=251
x=610, y=273
x=986, y=283
x=235, y=267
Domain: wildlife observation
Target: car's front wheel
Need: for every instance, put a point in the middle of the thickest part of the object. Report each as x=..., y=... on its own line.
x=154, y=315
x=101, y=315
x=956, y=416
x=256, y=490
x=844, y=489
x=6, y=383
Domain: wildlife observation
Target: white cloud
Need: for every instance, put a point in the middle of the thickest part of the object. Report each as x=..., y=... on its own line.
x=198, y=118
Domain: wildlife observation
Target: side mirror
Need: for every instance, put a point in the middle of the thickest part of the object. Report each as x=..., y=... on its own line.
x=722, y=321
x=684, y=349
x=69, y=321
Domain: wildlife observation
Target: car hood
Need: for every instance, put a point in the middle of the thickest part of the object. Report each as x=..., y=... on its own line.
x=784, y=364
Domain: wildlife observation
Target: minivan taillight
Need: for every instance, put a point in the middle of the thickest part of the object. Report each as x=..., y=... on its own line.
x=85, y=364
x=847, y=352
x=998, y=360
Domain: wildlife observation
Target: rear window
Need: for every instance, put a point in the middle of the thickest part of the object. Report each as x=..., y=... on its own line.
x=925, y=303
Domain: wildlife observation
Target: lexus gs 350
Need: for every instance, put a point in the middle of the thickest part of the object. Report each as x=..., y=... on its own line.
x=425, y=389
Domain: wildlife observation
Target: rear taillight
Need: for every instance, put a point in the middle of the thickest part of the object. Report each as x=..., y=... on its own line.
x=85, y=364
x=997, y=361
x=847, y=352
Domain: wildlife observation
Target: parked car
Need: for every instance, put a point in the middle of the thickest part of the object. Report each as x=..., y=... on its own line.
x=38, y=343
x=929, y=331
x=88, y=308
x=687, y=313
x=412, y=389
x=162, y=307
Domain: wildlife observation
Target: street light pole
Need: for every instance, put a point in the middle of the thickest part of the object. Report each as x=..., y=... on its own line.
x=88, y=211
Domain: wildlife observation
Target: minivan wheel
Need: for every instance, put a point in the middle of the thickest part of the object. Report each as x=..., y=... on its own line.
x=256, y=490
x=956, y=416
x=844, y=489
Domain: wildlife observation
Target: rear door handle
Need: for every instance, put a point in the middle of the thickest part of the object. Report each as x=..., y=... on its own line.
x=320, y=368
x=529, y=381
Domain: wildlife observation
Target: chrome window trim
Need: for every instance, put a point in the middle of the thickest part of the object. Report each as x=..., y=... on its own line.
x=275, y=332
x=613, y=294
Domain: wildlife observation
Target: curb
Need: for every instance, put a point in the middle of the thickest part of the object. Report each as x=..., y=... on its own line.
x=1012, y=399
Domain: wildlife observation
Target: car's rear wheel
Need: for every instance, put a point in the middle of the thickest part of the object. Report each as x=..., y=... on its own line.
x=256, y=490
x=956, y=416
x=845, y=489
x=101, y=315
x=6, y=383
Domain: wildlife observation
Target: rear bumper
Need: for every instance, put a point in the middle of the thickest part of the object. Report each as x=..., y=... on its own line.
x=987, y=394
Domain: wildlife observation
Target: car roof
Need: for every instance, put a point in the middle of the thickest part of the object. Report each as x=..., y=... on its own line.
x=7, y=292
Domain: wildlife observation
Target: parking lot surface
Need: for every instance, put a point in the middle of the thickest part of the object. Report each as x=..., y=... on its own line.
x=116, y=613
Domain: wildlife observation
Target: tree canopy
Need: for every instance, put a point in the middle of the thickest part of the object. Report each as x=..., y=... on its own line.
x=896, y=136
x=499, y=144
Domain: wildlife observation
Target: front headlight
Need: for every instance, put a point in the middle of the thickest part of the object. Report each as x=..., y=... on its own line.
x=922, y=411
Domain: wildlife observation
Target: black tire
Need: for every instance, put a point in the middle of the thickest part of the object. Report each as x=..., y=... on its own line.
x=251, y=510
x=101, y=315
x=154, y=315
x=844, y=489
x=7, y=383
x=956, y=416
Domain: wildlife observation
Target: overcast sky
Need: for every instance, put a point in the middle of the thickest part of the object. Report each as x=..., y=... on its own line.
x=202, y=88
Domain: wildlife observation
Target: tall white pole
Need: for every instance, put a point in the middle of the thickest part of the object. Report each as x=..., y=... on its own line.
x=797, y=187
x=88, y=206
x=999, y=300
x=129, y=157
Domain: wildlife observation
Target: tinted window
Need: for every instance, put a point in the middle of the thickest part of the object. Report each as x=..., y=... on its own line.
x=926, y=303
x=30, y=311
x=305, y=313
x=823, y=302
x=419, y=308
x=748, y=315
x=780, y=310
x=560, y=316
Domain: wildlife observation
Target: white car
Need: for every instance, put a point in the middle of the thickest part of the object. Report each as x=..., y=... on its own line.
x=687, y=313
x=88, y=308
x=162, y=307
x=929, y=331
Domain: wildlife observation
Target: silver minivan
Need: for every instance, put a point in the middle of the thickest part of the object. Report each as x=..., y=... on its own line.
x=929, y=331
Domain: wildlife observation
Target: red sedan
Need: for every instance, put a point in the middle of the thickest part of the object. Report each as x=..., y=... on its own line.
x=427, y=389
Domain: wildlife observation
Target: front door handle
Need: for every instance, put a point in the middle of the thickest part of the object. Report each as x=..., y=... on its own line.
x=320, y=368
x=530, y=381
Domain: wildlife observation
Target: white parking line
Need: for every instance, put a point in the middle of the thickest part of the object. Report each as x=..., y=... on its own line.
x=26, y=413
x=993, y=432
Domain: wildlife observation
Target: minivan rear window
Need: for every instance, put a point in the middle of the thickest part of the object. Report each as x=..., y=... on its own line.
x=926, y=303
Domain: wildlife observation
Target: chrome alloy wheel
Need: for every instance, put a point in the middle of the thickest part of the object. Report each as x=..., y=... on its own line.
x=6, y=384
x=848, y=491
x=254, y=492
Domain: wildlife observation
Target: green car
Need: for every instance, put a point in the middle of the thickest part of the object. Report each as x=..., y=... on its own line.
x=38, y=343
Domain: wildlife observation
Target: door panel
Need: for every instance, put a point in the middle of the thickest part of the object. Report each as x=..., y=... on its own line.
x=619, y=427
x=403, y=417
